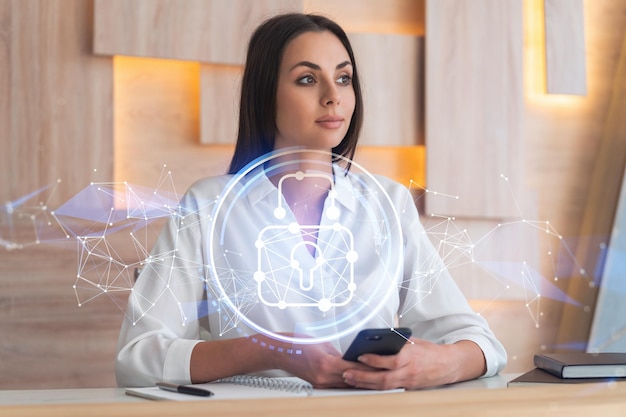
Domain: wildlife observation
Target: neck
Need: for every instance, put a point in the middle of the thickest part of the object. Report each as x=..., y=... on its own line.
x=304, y=179
x=316, y=167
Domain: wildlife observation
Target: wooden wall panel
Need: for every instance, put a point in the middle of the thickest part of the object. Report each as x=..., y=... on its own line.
x=373, y=16
x=47, y=340
x=565, y=47
x=5, y=51
x=157, y=113
x=59, y=123
x=5, y=88
x=474, y=102
x=213, y=31
x=56, y=123
x=404, y=164
x=220, y=91
x=393, y=88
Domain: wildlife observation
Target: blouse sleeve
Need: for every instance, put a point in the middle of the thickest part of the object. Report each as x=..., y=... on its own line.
x=432, y=305
x=161, y=326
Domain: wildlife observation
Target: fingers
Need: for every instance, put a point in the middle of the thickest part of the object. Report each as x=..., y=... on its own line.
x=379, y=372
x=381, y=361
x=375, y=380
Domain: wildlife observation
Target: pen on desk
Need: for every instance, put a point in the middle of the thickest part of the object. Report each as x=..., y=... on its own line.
x=184, y=389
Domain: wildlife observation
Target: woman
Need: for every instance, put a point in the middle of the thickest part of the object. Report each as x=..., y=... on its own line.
x=222, y=295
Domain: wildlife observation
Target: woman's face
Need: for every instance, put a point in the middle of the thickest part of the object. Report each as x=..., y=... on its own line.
x=314, y=98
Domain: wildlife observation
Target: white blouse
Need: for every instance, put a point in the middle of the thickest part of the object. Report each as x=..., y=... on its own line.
x=232, y=262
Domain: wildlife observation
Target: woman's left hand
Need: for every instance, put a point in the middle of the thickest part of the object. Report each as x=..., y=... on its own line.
x=419, y=364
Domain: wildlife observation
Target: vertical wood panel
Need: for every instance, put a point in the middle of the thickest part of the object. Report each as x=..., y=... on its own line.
x=5, y=95
x=566, y=71
x=60, y=117
x=474, y=101
x=55, y=122
x=391, y=71
x=220, y=91
x=199, y=30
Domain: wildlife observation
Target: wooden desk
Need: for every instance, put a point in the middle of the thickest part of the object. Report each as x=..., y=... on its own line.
x=606, y=400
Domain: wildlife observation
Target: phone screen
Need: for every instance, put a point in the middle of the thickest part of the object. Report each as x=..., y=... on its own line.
x=379, y=341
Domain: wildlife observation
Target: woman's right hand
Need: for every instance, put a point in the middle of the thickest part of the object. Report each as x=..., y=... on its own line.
x=320, y=364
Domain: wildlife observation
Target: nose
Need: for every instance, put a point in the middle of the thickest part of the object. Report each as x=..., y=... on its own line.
x=331, y=95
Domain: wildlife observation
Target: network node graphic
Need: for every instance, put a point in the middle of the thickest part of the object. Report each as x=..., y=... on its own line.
x=304, y=276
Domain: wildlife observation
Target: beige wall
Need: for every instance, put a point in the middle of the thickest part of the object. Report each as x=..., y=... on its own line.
x=71, y=114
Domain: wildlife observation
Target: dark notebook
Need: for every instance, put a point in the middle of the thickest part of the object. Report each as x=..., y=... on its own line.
x=539, y=376
x=583, y=365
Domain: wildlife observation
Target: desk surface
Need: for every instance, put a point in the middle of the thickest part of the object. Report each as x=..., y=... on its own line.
x=467, y=399
x=111, y=395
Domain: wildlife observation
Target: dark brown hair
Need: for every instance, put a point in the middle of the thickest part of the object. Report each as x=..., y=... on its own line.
x=257, y=108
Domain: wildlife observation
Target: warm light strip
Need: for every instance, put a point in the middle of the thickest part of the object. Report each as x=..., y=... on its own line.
x=535, y=59
x=534, y=47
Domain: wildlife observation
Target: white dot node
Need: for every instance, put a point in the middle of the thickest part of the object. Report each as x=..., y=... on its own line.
x=352, y=256
x=259, y=276
x=319, y=261
x=294, y=228
x=280, y=213
x=295, y=264
x=352, y=287
x=324, y=304
x=332, y=213
x=299, y=175
x=282, y=304
x=259, y=244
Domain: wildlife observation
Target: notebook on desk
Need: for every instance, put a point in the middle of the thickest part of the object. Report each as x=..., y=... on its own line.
x=250, y=387
x=582, y=364
x=539, y=376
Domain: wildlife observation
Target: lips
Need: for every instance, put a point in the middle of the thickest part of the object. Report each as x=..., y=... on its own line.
x=330, y=122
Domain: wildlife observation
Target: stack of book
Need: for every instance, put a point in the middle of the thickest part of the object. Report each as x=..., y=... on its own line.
x=574, y=368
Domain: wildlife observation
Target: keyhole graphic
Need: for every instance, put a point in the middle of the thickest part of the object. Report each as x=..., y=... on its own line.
x=307, y=277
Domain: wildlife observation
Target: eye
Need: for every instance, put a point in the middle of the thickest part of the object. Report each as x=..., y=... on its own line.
x=344, y=80
x=306, y=80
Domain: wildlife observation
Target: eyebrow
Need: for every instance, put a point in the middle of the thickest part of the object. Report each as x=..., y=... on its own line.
x=313, y=66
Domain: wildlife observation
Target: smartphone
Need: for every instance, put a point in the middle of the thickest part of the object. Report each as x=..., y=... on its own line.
x=379, y=341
